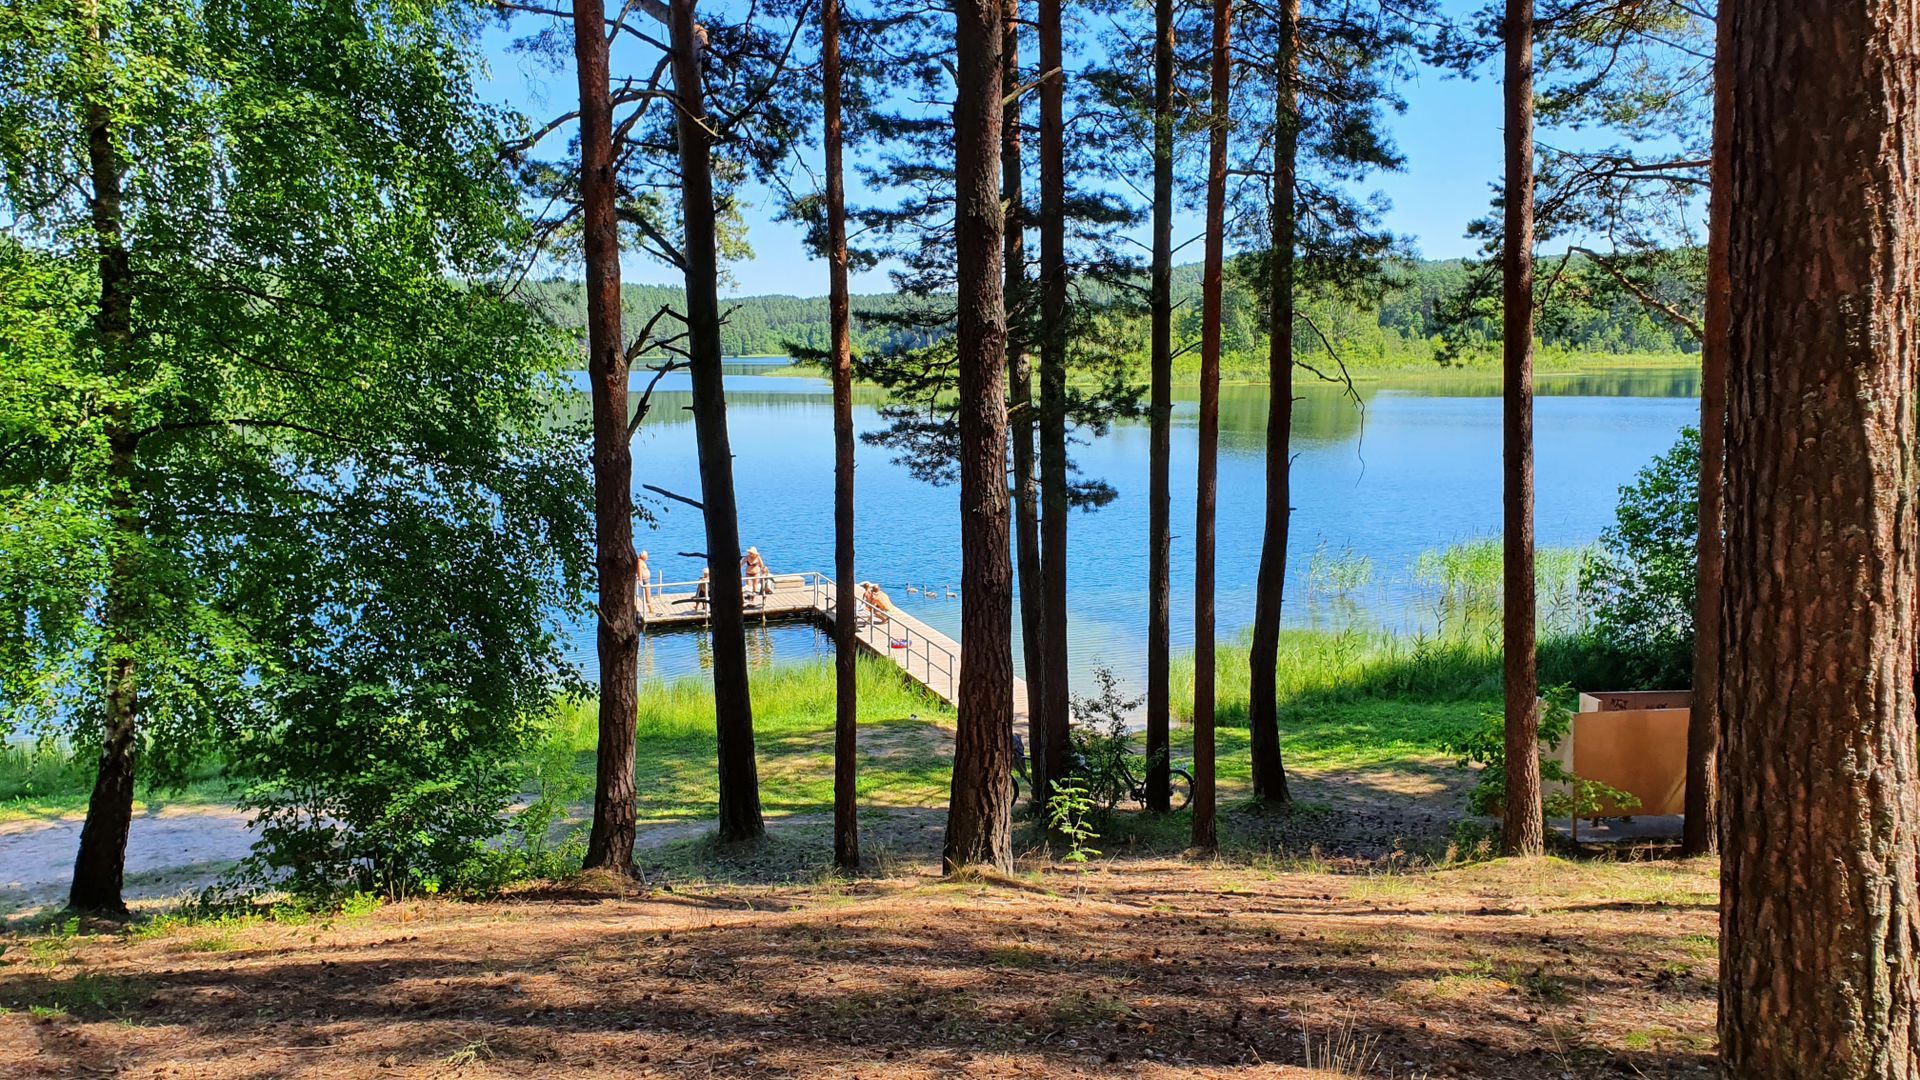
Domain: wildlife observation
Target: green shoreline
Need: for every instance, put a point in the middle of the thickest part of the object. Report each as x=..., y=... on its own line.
x=1547, y=362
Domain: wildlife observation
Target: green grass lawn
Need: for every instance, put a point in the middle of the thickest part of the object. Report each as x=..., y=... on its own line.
x=904, y=734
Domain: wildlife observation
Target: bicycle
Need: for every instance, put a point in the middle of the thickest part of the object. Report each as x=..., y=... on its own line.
x=1179, y=780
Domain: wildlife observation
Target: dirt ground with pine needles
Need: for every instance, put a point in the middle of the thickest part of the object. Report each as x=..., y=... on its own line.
x=1149, y=967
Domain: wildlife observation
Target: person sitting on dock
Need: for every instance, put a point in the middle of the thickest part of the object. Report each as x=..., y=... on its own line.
x=702, y=589
x=876, y=602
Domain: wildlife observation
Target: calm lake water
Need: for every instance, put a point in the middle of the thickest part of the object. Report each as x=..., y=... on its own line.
x=1415, y=467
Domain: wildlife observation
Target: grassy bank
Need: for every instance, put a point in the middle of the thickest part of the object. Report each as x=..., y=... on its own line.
x=906, y=745
x=1251, y=367
x=47, y=780
x=1351, y=701
x=1357, y=700
x=904, y=732
x=1245, y=367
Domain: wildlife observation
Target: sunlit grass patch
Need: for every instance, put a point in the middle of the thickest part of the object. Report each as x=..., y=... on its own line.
x=905, y=741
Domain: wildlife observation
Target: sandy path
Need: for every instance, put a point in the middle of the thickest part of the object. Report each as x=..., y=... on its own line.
x=181, y=850
x=177, y=850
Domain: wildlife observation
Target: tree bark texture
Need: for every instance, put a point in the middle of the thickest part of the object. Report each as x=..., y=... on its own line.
x=610, y=842
x=1053, y=389
x=1160, y=412
x=99, y=869
x=1204, y=832
x=1524, y=833
x=1820, y=949
x=979, y=810
x=732, y=697
x=846, y=717
x=1700, y=833
x=1263, y=706
x=1026, y=481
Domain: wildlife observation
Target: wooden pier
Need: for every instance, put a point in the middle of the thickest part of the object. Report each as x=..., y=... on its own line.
x=924, y=654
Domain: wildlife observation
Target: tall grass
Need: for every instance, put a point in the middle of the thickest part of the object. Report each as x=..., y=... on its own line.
x=1469, y=582
x=40, y=769
x=1338, y=573
x=1357, y=664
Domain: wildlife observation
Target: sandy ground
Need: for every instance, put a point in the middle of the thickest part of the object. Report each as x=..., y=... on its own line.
x=171, y=853
x=1134, y=968
x=177, y=852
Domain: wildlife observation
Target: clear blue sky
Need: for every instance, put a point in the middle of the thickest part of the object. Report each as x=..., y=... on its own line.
x=1450, y=136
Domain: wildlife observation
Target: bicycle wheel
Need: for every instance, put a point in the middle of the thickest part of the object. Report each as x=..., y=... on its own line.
x=1182, y=784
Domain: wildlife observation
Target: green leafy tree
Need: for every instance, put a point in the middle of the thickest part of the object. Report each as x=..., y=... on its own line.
x=1640, y=583
x=276, y=465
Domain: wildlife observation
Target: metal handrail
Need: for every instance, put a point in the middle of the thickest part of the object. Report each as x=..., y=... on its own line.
x=949, y=661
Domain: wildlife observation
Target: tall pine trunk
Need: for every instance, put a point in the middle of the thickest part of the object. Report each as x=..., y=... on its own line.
x=1026, y=482
x=1700, y=833
x=1524, y=832
x=99, y=869
x=1820, y=947
x=732, y=698
x=1204, y=835
x=979, y=810
x=610, y=843
x=1160, y=412
x=846, y=717
x=1053, y=389
x=1263, y=706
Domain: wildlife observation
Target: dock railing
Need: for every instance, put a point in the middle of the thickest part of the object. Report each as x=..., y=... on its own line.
x=936, y=661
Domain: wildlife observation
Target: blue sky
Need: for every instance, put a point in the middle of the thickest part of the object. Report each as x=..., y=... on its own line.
x=1450, y=136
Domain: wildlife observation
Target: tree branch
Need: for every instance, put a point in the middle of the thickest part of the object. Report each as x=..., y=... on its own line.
x=1646, y=298
x=695, y=503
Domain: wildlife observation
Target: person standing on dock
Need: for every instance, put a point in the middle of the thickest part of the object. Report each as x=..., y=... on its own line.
x=643, y=584
x=754, y=572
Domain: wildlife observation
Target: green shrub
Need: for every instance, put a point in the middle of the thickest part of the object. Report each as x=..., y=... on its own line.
x=1640, y=583
x=1101, y=745
x=1070, y=812
x=1486, y=746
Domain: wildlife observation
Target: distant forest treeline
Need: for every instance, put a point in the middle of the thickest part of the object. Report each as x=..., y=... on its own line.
x=1403, y=328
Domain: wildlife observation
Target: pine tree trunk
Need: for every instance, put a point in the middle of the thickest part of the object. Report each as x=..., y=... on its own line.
x=1204, y=834
x=1026, y=483
x=732, y=698
x=1524, y=832
x=979, y=810
x=610, y=842
x=1263, y=706
x=1820, y=947
x=1700, y=833
x=1053, y=389
x=1160, y=441
x=846, y=718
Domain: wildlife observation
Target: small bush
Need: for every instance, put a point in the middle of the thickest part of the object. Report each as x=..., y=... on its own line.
x=1069, y=811
x=1640, y=583
x=1102, y=745
x=1486, y=746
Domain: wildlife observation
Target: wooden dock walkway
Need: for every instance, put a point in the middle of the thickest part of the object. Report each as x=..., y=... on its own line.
x=924, y=654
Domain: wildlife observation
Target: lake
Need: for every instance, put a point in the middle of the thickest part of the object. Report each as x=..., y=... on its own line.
x=1414, y=467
